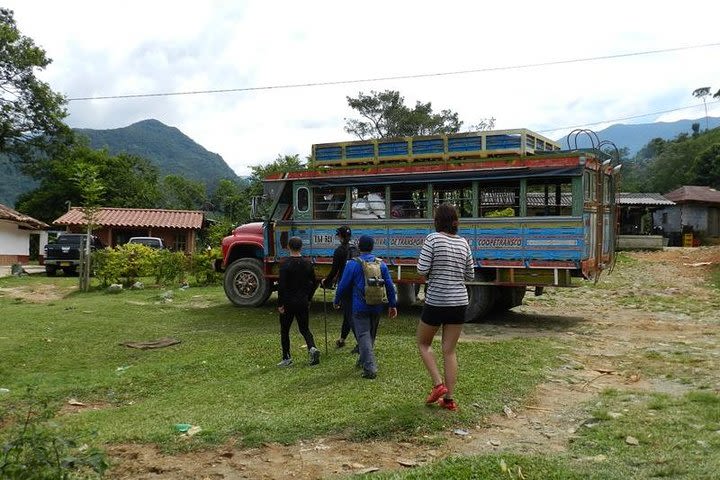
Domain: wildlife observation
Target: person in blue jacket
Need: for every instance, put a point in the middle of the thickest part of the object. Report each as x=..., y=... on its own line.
x=366, y=318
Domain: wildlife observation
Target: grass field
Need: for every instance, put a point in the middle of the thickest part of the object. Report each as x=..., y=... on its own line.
x=223, y=377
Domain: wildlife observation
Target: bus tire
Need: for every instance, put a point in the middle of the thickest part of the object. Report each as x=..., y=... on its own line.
x=245, y=283
x=509, y=297
x=481, y=301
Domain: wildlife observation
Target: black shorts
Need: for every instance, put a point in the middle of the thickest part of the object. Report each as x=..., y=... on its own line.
x=437, y=316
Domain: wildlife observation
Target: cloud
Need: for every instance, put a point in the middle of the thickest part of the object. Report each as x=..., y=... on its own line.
x=149, y=47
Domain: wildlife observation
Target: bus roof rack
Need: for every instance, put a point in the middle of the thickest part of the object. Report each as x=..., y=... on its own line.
x=454, y=146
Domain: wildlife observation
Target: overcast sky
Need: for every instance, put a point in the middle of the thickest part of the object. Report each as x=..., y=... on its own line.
x=152, y=46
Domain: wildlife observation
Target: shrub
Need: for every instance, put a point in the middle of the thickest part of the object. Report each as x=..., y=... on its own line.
x=168, y=267
x=201, y=265
x=123, y=264
x=35, y=448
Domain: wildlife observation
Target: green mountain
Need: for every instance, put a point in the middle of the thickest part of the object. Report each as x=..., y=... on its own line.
x=170, y=150
x=636, y=136
x=12, y=182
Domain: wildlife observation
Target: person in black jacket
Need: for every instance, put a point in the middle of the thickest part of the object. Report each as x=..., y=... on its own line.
x=295, y=290
x=342, y=253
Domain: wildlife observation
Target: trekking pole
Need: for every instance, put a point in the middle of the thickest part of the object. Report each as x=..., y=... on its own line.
x=325, y=319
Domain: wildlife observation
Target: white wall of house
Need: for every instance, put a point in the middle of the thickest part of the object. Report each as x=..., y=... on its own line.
x=678, y=215
x=671, y=215
x=13, y=241
x=695, y=216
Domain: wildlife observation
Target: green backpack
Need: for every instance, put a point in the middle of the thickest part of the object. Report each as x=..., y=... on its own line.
x=374, y=282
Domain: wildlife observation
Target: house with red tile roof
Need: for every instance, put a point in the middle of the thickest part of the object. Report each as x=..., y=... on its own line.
x=115, y=226
x=695, y=206
x=16, y=230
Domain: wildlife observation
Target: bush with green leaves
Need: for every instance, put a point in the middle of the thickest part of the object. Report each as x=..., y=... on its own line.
x=168, y=267
x=127, y=263
x=34, y=447
x=201, y=265
x=124, y=263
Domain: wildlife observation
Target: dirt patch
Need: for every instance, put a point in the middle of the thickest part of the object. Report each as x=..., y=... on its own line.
x=40, y=293
x=606, y=340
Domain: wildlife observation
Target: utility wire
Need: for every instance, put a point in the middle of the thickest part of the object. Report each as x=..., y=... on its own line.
x=624, y=118
x=400, y=77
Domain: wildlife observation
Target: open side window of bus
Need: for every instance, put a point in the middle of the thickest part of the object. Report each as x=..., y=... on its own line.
x=499, y=199
x=329, y=203
x=547, y=197
x=408, y=200
x=368, y=202
x=459, y=194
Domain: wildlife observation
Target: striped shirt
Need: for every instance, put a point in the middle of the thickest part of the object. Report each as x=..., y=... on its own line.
x=447, y=262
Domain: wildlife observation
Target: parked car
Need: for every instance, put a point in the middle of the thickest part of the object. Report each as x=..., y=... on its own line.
x=152, y=242
x=64, y=252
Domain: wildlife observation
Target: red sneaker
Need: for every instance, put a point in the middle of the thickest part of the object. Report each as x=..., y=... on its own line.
x=448, y=403
x=437, y=392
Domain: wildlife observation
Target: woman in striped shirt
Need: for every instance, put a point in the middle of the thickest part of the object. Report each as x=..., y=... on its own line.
x=447, y=262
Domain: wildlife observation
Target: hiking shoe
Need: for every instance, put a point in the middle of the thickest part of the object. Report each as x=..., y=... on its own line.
x=437, y=392
x=339, y=343
x=448, y=404
x=286, y=362
x=368, y=374
x=314, y=356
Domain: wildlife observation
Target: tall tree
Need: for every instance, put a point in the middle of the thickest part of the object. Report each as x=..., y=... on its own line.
x=183, y=194
x=702, y=93
x=128, y=180
x=707, y=167
x=31, y=114
x=386, y=115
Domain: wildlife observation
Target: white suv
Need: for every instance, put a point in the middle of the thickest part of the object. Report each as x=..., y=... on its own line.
x=152, y=242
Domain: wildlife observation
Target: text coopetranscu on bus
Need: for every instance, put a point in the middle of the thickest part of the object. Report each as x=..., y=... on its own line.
x=534, y=215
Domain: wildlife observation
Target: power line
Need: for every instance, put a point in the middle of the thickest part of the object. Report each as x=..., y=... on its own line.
x=401, y=77
x=624, y=118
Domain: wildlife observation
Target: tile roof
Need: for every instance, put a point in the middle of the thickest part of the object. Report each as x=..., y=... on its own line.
x=136, y=217
x=7, y=213
x=693, y=193
x=651, y=199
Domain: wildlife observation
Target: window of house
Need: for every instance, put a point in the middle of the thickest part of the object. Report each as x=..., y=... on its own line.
x=408, y=201
x=180, y=243
x=549, y=197
x=664, y=218
x=459, y=195
x=368, y=202
x=329, y=203
x=499, y=200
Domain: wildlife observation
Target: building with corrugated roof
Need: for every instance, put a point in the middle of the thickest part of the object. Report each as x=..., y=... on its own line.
x=115, y=226
x=635, y=212
x=696, y=208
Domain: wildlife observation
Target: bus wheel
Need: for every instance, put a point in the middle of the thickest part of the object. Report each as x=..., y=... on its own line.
x=509, y=297
x=481, y=301
x=245, y=284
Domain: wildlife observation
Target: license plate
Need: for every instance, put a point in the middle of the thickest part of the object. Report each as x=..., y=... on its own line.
x=64, y=264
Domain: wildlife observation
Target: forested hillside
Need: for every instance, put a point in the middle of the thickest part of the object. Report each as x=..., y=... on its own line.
x=636, y=136
x=167, y=148
x=663, y=165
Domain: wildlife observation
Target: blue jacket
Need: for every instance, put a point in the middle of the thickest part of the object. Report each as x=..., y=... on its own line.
x=354, y=279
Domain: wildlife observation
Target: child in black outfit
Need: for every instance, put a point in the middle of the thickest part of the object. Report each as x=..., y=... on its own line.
x=295, y=289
